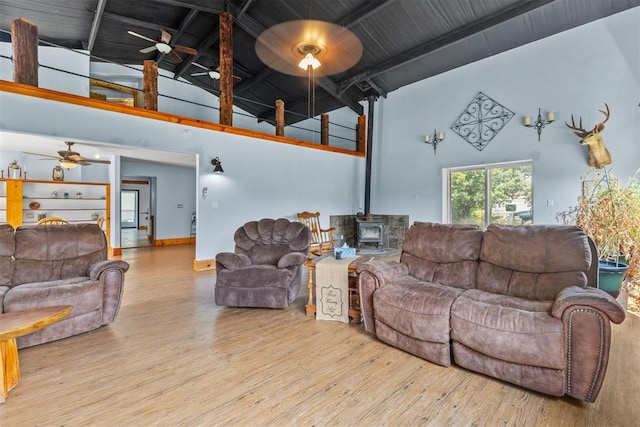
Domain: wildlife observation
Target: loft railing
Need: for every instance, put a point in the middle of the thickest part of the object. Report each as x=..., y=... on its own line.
x=107, y=77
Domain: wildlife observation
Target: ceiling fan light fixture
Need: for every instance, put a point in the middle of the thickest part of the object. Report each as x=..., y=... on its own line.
x=214, y=74
x=163, y=48
x=309, y=61
x=68, y=164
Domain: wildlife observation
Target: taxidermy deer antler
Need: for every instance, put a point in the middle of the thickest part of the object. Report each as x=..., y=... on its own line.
x=598, y=154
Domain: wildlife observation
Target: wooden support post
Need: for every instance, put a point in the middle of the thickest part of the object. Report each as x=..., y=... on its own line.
x=324, y=129
x=24, y=42
x=150, y=85
x=279, y=117
x=361, y=133
x=226, y=69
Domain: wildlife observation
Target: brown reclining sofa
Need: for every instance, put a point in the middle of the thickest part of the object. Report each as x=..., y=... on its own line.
x=518, y=303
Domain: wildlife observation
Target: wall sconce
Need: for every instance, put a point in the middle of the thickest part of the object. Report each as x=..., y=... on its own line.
x=438, y=137
x=540, y=123
x=217, y=165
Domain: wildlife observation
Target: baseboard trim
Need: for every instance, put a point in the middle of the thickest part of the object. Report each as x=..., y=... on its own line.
x=115, y=251
x=204, y=264
x=176, y=241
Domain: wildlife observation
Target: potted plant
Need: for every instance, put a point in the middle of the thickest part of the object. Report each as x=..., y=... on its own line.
x=14, y=171
x=609, y=213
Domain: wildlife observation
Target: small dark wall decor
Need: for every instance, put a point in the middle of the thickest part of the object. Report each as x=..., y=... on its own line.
x=481, y=121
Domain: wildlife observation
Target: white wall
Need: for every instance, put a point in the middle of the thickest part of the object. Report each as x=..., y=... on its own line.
x=175, y=186
x=574, y=72
x=53, y=64
x=261, y=179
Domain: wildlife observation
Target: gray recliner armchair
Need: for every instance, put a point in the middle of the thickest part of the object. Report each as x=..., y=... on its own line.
x=264, y=269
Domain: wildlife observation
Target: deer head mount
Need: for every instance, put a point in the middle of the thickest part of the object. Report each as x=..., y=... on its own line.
x=599, y=156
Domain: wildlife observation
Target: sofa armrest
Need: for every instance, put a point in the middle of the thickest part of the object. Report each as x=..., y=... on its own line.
x=96, y=269
x=231, y=261
x=111, y=274
x=292, y=259
x=590, y=297
x=373, y=274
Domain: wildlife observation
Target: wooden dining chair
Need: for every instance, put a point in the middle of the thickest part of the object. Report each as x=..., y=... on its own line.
x=52, y=220
x=322, y=239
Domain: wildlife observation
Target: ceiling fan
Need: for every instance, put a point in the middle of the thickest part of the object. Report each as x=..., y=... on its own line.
x=163, y=46
x=69, y=159
x=212, y=72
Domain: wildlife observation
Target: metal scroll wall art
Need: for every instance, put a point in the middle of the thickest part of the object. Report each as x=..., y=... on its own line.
x=481, y=121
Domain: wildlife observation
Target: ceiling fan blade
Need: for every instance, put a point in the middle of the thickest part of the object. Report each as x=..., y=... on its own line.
x=176, y=58
x=48, y=157
x=76, y=157
x=165, y=36
x=199, y=66
x=184, y=49
x=133, y=33
x=82, y=162
x=148, y=49
x=104, y=162
x=206, y=73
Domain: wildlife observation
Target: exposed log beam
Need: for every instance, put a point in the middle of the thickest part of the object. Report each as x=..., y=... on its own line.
x=424, y=49
x=24, y=48
x=95, y=25
x=226, y=69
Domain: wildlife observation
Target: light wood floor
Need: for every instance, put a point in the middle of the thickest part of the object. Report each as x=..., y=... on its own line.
x=174, y=358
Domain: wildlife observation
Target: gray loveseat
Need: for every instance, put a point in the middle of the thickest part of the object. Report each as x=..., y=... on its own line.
x=48, y=265
x=513, y=302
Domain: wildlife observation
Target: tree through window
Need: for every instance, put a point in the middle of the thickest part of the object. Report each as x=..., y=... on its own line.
x=501, y=193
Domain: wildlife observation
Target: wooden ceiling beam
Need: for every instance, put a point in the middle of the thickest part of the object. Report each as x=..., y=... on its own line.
x=137, y=22
x=423, y=49
x=95, y=25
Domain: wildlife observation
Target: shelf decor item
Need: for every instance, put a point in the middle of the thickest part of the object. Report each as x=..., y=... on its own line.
x=57, y=174
x=34, y=205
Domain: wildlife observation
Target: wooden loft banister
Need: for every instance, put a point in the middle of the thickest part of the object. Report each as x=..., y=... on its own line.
x=52, y=95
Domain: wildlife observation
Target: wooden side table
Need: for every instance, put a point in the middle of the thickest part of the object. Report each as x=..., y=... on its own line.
x=354, y=292
x=16, y=324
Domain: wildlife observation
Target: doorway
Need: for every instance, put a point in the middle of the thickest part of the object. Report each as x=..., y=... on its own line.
x=129, y=208
x=137, y=212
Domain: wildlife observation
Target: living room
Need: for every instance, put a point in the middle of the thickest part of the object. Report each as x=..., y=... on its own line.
x=575, y=72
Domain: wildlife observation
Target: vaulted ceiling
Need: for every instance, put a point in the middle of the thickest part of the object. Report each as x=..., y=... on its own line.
x=404, y=41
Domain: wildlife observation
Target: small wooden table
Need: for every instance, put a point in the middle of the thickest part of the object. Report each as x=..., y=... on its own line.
x=354, y=292
x=16, y=324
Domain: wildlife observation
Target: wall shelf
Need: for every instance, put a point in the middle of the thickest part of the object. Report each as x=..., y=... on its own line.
x=17, y=194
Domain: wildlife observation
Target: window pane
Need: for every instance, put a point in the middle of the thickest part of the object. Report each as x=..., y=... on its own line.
x=508, y=189
x=468, y=197
x=511, y=195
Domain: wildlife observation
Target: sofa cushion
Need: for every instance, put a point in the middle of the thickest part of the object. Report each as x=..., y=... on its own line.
x=266, y=275
x=507, y=328
x=533, y=262
x=443, y=253
x=55, y=252
x=417, y=309
x=6, y=253
x=83, y=294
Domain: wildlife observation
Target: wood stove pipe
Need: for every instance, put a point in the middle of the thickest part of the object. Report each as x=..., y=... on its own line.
x=368, y=154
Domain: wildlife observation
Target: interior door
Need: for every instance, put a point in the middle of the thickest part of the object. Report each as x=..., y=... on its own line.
x=129, y=209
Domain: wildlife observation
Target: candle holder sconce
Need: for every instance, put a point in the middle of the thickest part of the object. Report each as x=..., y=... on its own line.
x=438, y=137
x=540, y=123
